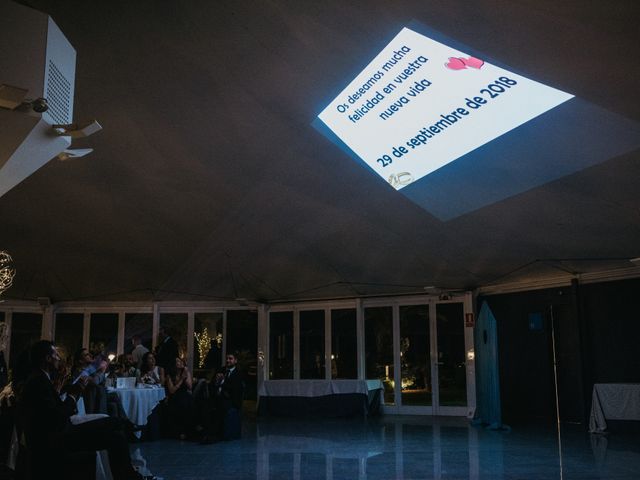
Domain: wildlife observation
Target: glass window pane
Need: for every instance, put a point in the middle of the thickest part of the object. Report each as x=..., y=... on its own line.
x=103, y=333
x=68, y=334
x=344, y=344
x=312, y=344
x=207, y=342
x=281, y=466
x=280, y=345
x=242, y=339
x=314, y=466
x=26, y=328
x=415, y=357
x=140, y=324
x=378, y=347
x=176, y=325
x=451, y=354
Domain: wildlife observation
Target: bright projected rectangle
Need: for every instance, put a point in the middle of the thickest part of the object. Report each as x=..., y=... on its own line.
x=421, y=104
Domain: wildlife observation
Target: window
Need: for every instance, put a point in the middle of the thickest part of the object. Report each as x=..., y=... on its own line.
x=280, y=345
x=415, y=355
x=451, y=354
x=103, y=333
x=26, y=328
x=312, y=355
x=140, y=324
x=344, y=344
x=207, y=341
x=68, y=332
x=242, y=340
x=378, y=347
x=176, y=325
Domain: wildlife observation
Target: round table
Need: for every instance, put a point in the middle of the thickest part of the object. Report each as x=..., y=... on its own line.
x=139, y=402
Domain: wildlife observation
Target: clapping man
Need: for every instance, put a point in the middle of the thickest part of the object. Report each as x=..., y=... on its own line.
x=46, y=410
x=226, y=391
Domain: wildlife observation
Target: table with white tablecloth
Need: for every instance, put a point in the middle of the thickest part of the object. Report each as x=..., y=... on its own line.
x=138, y=403
x=320, y=397
x=613, y=401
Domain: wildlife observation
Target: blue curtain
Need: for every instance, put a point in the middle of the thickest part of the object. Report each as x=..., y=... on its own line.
x=487, y=378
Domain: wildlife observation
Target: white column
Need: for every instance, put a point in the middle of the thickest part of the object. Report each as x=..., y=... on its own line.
x=397, y=360
x=191, y=323
x=120, y=344
x=263, y=344
x=47, y=323
x=86, y=327
x=433, y=347
x=329, y=468
x=327, y=343
x=224, y=337
x=297, y=466
x=360, y=340
x=156, y=326
x=470, y=355
x=262, y=459
x=296, y=344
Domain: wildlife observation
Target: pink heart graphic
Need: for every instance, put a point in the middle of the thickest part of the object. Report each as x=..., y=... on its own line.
x=455, y=64
x=473, y=62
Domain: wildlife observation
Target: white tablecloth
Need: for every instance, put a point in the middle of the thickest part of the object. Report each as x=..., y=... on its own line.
x=613, y=401
x=316, y=388
x=139, y=402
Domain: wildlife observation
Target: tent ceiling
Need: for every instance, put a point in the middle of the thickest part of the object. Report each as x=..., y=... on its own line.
x=208, y=180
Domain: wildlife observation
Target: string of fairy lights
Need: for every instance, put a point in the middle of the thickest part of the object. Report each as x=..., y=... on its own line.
x=204, y=342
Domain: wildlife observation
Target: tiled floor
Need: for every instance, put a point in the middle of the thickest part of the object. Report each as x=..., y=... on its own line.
x=397, y=447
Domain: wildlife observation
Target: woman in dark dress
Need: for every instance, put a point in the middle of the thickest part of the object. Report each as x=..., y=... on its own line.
x=180, y=404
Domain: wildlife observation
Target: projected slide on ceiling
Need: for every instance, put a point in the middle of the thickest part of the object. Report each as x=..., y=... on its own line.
x=421, y=104
x=438, y=122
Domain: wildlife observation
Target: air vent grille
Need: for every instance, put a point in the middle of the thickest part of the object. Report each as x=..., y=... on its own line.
x=58, y=95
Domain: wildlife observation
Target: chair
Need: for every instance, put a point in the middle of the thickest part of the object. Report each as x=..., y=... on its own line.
x=34, y=465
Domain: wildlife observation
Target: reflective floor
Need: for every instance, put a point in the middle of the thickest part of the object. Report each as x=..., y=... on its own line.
x=396, y=447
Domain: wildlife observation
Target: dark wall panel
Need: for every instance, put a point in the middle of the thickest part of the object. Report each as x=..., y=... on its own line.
x=612, y=316
x=597, y=327
x=526, y=355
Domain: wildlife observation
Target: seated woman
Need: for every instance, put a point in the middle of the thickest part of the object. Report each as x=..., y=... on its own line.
x=150, y=373
x=180, y=405
x=126, y=367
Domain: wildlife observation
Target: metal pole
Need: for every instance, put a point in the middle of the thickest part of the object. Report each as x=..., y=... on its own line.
x=555, y=383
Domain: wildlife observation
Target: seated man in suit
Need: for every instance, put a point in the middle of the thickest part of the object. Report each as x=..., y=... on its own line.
x=48, y=428
x=225, y=391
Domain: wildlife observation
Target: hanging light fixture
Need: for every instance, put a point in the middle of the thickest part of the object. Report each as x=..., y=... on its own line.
x=6, y=272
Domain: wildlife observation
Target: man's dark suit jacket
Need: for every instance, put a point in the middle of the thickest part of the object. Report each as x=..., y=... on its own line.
x=44, y=414
x=232, y=389
x=166, y=354
x=50, y=435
